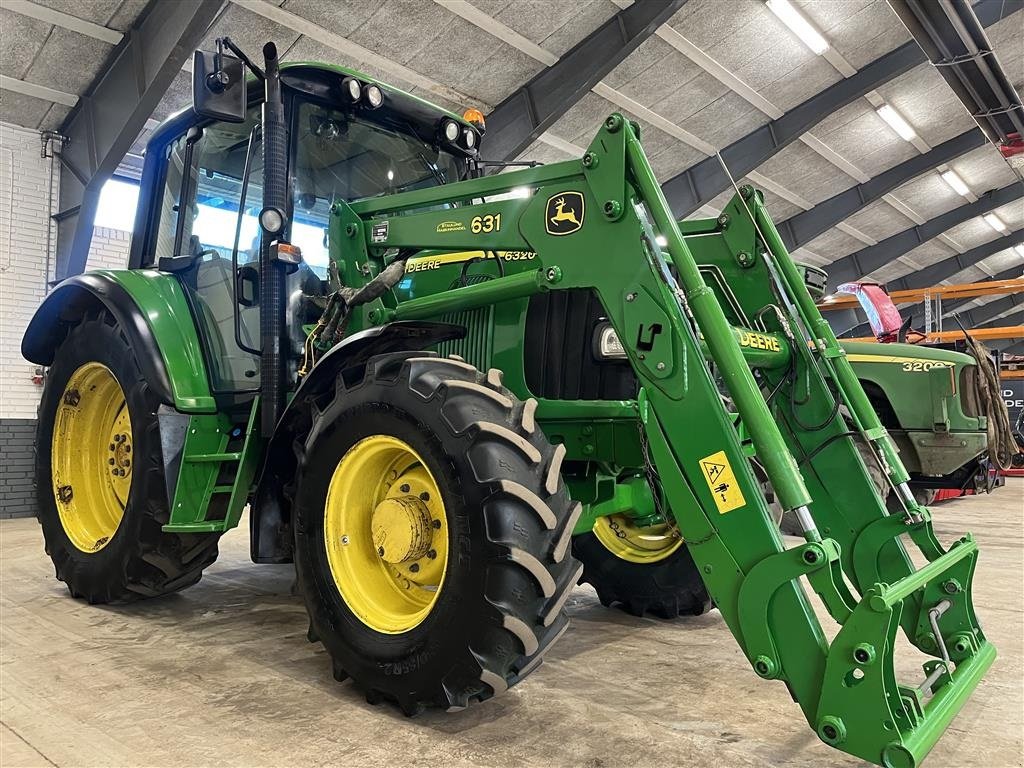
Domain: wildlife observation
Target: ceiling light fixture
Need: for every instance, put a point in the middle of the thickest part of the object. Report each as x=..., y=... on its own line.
x=1019, y=249
x=995, y=222
x=896, y=122
x=799, y=25
x=956, y=183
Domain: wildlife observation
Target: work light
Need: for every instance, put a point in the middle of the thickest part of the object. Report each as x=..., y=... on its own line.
x=451, y=130
x=374, y=96
x=469, y=138
x=352, y=87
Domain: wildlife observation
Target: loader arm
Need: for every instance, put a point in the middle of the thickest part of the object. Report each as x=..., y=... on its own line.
x=592, y=224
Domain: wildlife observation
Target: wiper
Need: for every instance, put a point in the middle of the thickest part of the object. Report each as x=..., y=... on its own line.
x=438, y=176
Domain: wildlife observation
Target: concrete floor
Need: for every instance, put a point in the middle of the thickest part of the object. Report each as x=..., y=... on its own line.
x=222, y=675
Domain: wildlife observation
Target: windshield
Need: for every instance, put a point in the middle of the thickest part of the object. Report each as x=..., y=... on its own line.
x=342, y=157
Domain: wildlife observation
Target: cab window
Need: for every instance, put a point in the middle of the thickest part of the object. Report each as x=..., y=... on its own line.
x=341, y=156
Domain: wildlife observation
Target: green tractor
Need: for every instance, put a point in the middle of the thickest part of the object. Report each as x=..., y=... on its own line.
x=448, y=396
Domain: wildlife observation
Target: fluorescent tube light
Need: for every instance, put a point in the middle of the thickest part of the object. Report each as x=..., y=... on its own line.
x=995, y=222
x=798, y=25
x=896, y=122
x=957, y=184
x=1019, y=249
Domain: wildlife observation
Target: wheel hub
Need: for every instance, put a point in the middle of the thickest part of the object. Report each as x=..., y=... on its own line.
x=638, y=544
x=386, y=534
x=91, y=457
x=401, y=529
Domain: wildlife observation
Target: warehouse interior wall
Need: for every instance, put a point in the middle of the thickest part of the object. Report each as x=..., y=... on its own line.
x=27, y=245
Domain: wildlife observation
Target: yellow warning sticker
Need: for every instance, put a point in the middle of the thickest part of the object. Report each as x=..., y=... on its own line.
x=722, y=482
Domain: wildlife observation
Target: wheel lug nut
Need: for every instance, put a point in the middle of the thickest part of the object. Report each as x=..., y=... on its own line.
x=112, y=446
x=435, y=524
x=127, y=449
x=414, y=567
x=431, y=554
x=110, y=461
x=380, y=551
x=404, y=487
x=425, y=496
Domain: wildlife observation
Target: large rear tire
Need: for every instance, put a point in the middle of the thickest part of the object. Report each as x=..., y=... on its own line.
x=432, y=533
x=640, y=570
x=100, y=476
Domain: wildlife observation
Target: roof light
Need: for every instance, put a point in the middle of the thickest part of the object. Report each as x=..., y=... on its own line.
x=474, y=116
x=798, y=25
x=995, y=222
x=957, y=184
x=1019, y=249
x=374, y=96
x=352, y=87
x=451, y=130
x=896, y=122
x=469, y=138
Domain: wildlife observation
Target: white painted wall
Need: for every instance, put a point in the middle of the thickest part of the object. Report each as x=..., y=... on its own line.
x=24, y=223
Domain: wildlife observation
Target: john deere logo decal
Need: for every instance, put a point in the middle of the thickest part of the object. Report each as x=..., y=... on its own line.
x=564, y=213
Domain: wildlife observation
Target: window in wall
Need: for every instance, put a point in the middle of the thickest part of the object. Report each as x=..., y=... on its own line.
x=118, y=200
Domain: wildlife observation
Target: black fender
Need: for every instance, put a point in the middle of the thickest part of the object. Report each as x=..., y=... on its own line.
x=76, y=297
x=270, y=535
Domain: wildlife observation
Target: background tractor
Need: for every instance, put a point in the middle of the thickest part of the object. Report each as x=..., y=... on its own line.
x=448, y=397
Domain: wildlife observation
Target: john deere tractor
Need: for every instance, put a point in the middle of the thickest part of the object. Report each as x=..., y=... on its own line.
x=449, y=395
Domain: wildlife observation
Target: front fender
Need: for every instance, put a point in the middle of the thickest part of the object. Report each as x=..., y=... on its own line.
x=270, y=537
x=151, y=310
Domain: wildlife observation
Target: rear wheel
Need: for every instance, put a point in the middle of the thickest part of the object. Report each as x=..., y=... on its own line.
x=432, y=533
x=99, y=475
x=642, y=569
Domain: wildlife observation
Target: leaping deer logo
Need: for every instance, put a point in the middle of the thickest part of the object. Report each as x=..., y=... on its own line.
x=564, y=213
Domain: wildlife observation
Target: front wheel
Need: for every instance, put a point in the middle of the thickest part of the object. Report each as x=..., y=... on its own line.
x=432, y=533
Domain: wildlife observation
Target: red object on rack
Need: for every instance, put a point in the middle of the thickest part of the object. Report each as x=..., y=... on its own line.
x=1014, y=145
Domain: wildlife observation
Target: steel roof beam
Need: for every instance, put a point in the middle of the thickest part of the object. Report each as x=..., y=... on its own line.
x=935, y=273
x=972, y=318
x=114, y=110
x=1014, y=318
x=800, y=229
x=703, y=181
x=521, y=118
x=867, y=260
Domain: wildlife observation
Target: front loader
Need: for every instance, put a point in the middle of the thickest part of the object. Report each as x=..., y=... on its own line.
x=334, y=315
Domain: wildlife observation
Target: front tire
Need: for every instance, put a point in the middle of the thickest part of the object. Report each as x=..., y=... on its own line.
x=432, y=533
x=99, y=475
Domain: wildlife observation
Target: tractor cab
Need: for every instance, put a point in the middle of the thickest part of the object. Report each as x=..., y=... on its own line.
x=347, y=138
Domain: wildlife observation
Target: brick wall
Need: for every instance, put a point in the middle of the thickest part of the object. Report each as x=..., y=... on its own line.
x=25, y=266
x=16, y=486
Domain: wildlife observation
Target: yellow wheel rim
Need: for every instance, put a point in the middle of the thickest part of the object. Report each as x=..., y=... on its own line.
x=628, y=541
x=91, y=457
x=386, y=534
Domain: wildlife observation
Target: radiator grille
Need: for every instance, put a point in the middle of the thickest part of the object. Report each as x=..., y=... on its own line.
x=559, y=361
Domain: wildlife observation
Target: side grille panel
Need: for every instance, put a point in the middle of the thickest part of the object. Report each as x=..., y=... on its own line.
x=476, y=347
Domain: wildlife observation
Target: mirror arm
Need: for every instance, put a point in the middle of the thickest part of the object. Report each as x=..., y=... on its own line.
x=227, y=42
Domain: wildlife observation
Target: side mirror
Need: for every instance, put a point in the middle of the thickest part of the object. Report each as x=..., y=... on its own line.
x=218, y=87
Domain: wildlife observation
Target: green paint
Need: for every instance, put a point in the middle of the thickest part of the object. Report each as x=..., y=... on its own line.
x=163, y=302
